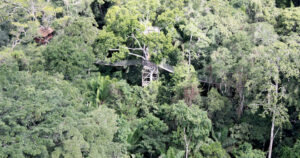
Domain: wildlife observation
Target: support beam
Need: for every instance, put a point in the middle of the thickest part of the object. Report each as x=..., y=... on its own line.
x=120, y=63
x=165, y=67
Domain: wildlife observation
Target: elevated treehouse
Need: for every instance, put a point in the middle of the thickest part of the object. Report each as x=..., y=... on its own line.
x=150, y=70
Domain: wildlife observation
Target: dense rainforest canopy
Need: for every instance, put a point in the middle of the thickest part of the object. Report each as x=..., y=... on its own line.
x=234, y=88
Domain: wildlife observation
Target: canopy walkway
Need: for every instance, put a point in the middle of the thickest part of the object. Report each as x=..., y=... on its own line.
x=150, y=70
x=123, y=63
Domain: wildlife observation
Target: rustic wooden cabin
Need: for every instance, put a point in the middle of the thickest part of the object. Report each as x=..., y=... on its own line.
x=45, y=35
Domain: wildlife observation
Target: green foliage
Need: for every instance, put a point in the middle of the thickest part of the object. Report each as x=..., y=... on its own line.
x=70, y=56
x=271, y=71
x=192, y=119
x=241, y=132
x=91, y=137
x=173, y=153
x=215, y=101
x=236, y=77
x=25, y=17
x=287, y=3
x=132, y=33
x=71, y=53
x=291, y=151
x=4, y=32
x=149, y=137
x=104, y=42
x=40, y=118
x=183, y=75
x=213, y=150
x=186, y=84
x=288, y=21
x=190, y=125
x=246, y=151
x=101, y=89
x=82, y=27
x=10, y=60
x=263, y=34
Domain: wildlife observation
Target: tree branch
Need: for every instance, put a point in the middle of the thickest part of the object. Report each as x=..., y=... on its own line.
x=137, y=55
x=127, y=48
x=276, y=132
x=132, y=36
x=130, y=52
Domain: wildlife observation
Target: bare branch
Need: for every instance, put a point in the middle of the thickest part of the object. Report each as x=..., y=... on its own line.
x=130, y=52
x=127, y=48
x=132, y=36
x=113, y=49
x=137, y=55
x=136, y=49
x=276, y=132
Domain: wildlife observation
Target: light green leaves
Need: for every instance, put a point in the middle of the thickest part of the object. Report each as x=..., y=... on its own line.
x=102, y=89
x=289, y=21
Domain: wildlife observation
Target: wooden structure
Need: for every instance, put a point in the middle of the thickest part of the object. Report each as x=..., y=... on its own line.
x=150, y=70
x=149, y=73
x=45, y=35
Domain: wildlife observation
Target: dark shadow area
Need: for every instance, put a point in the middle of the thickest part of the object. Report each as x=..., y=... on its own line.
x=287, y=3
x=99, y=11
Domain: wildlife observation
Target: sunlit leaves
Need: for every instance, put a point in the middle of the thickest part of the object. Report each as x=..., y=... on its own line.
x=289, y=21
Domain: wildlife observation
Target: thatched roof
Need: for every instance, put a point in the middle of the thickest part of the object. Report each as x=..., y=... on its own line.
x=45, y=31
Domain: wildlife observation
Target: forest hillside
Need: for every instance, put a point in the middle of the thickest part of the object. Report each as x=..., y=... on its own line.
x=149, y=78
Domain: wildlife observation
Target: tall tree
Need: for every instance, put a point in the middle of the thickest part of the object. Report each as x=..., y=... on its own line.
x=271, y=64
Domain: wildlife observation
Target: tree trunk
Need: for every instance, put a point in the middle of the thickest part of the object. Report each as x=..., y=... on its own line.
x=273, y=123
x=186, y=152
x=240, y=89
x=271, y=137
x=191, y=37
x=241, y=101
x=187, y=143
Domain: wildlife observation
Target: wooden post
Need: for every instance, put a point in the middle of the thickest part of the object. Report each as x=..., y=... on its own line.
x=149, y=73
